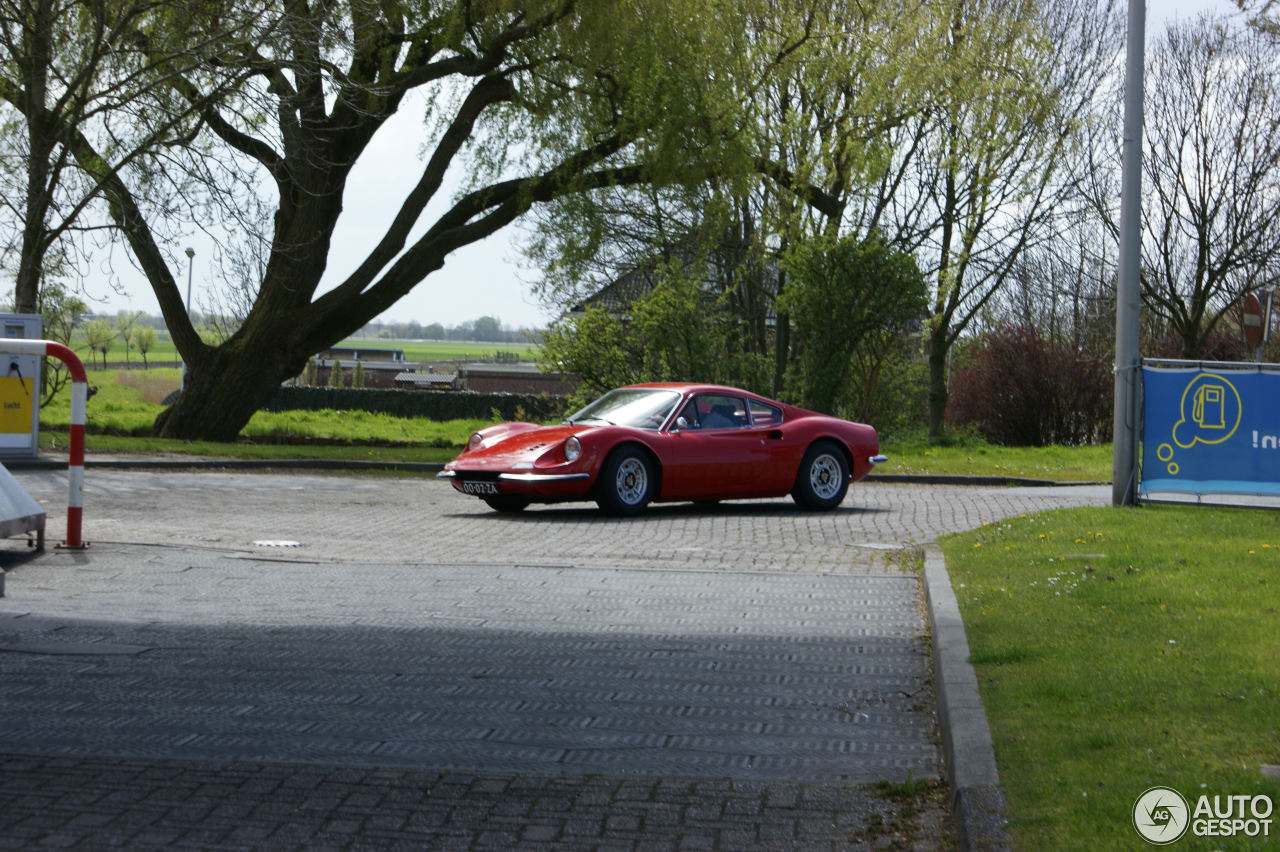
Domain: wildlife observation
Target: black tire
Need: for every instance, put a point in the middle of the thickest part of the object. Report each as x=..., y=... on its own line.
x=507, y=503
x=627, y=482
x=823, y=477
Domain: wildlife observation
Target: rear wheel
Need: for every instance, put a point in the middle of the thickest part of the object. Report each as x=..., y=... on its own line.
x=507, y=503
x=627, y=482
x=823, y=478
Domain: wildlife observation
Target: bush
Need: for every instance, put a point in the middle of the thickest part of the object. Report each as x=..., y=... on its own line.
x=1021, y=389
x=430, y=405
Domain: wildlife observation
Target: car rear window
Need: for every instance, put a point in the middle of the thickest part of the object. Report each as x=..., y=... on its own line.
x=764, y=415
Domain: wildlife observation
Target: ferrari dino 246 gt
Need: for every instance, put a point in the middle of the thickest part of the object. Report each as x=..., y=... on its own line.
x=668, y=442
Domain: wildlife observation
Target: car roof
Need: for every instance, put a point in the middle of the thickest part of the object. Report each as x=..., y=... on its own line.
x=693, y=387
x=789, y=411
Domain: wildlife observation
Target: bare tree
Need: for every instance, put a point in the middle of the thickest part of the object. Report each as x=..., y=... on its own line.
x=1211, y=175
x=994, y=170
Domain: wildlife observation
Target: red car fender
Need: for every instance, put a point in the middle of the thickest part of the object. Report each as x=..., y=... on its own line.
x=599, y=443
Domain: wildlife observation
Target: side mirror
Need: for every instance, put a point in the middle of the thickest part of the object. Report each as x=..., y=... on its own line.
x=681, y=424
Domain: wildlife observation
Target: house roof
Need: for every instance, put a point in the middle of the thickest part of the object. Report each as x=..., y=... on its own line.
x=426, y=378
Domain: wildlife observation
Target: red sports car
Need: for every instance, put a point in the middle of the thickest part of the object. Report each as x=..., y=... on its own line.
x=668, y=442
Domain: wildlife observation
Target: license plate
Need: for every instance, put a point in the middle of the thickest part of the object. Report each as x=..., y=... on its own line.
x=479, y=488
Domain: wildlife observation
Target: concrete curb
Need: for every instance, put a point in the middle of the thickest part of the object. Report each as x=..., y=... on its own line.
x=978, y=803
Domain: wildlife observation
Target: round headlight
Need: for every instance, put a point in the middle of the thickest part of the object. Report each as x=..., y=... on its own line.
x=572, y=449
x=474, y=442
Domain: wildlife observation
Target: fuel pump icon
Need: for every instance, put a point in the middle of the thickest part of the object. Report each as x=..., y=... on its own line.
x=1208, y=407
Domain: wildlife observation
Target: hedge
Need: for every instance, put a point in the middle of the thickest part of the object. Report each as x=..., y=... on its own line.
x=429, y=405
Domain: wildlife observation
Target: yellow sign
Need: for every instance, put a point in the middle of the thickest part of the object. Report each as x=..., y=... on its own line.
x=15, y=405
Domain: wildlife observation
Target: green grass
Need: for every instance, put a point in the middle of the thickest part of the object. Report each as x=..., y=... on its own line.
x=1120, y=649
x=120, y=415
x=975, y=457
x=442, y=350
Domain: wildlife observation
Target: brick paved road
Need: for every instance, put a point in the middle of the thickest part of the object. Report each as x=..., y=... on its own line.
x=451, y=677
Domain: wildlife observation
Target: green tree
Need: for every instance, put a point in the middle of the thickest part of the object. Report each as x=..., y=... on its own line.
x=840, y=292
x=101, y=337
x=127, y=328
x=335, y=374
x=145, y=339
x=488, y=329
x=547, y=98
x=676, y=332
x=357, y=374
x=592, y=345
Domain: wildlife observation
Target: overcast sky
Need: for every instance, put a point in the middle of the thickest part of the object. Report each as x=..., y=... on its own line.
x=486, y=279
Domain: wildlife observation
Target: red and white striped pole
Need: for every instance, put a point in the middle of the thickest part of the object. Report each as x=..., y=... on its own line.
x=79, y=403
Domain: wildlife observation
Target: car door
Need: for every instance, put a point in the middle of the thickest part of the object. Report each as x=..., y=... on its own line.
x=714, y=452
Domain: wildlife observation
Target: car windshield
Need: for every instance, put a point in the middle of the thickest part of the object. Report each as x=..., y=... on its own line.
x=642, y=408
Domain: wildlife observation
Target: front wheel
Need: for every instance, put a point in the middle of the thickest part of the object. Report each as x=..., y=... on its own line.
x=823, y=478
x=626, y=482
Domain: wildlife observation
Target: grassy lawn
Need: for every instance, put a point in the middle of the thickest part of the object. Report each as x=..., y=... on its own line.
x=974, y=457
x=120, y=415
x=450, y=350
x=1120, y=649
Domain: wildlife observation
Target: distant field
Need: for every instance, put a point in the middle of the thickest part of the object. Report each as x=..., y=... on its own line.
x=414, y=350
x=450, y=350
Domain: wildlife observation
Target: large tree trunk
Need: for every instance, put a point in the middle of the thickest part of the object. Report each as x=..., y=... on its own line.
x=226, y=385
x=37, y=37
x=938, y=390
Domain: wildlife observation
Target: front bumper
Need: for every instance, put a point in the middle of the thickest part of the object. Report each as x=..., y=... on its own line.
x=546, y=486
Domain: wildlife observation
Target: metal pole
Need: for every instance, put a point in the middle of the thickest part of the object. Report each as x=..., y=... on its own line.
x=191, y=256
x=1124, y=471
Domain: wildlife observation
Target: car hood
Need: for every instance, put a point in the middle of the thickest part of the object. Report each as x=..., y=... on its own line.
x=503, y=447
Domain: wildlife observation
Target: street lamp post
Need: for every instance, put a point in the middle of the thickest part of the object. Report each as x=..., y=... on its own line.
x=1128, y=288
x=191, y=256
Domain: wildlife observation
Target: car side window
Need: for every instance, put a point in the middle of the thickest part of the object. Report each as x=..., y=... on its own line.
x=716, y=411
x=764, y=415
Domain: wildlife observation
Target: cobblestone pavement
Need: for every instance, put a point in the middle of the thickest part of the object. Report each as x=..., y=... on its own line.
x=301, y=661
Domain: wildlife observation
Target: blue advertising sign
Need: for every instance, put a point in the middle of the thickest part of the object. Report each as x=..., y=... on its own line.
x=1206, y=432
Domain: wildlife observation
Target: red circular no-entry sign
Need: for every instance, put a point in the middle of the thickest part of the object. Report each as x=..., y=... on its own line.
x=1253, y=320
